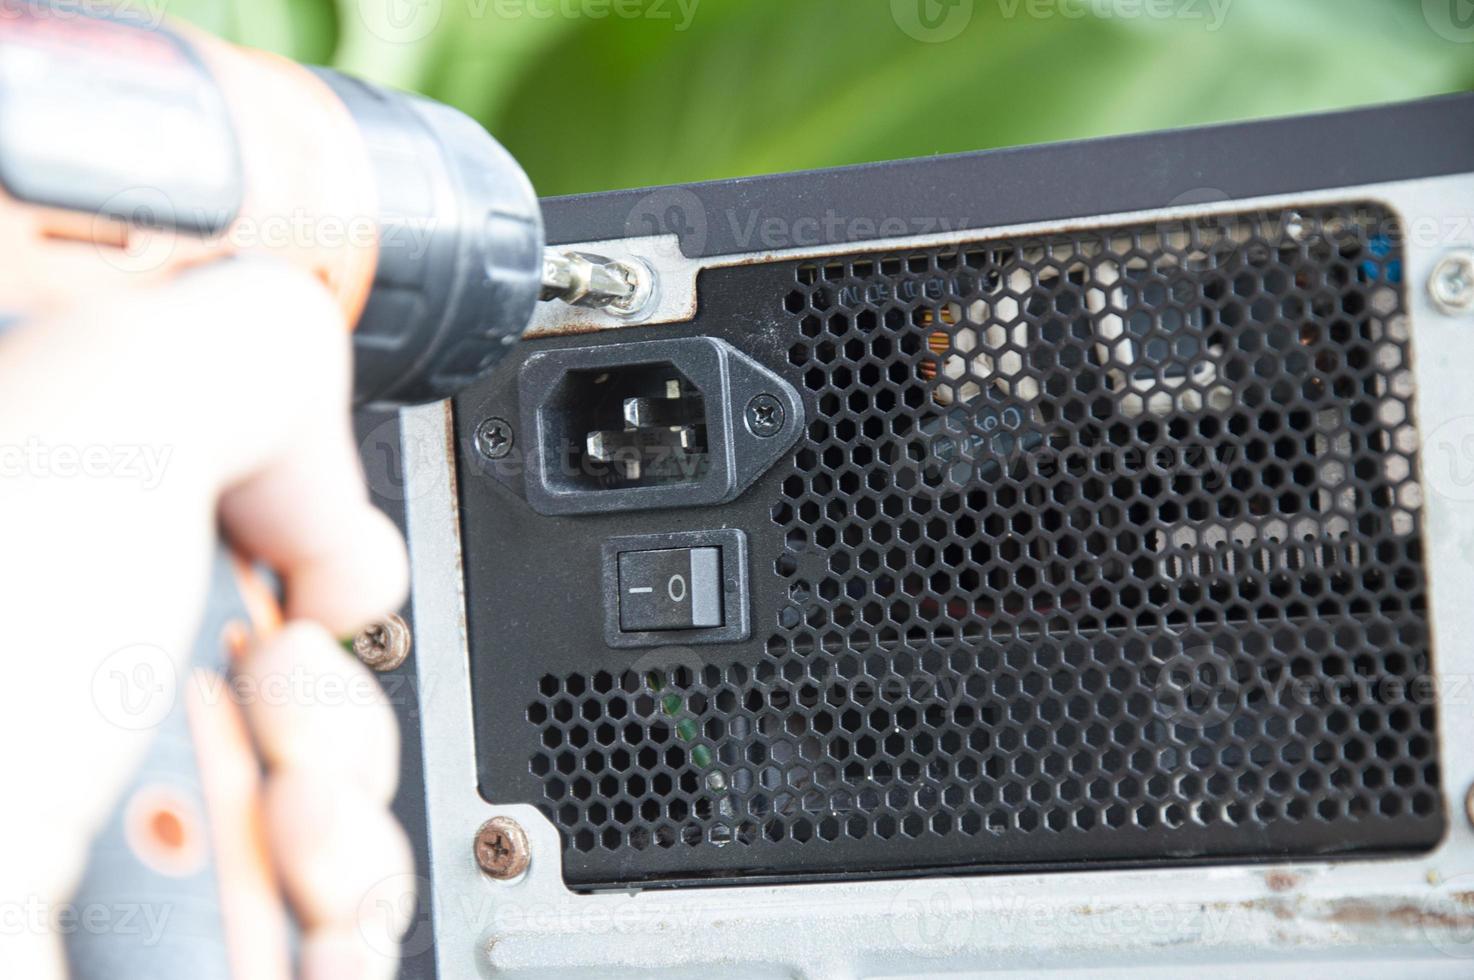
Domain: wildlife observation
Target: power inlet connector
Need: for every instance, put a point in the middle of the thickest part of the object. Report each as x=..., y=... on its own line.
x=664, y=423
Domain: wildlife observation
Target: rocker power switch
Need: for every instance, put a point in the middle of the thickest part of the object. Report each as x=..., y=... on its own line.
x=676, y=589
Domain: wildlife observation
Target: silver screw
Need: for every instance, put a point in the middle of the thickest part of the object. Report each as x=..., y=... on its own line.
x=1452, y=285
x=1295, y=226
x=494, y=438
x=385, y=645
x=619, y=287
x=765, y=416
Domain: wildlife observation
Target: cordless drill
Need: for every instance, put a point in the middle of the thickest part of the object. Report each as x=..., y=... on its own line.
x=131, y=151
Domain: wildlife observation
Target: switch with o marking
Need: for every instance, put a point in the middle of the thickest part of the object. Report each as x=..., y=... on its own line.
x=673, y=589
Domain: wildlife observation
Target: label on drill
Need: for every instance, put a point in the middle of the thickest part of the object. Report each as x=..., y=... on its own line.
x=106, y=115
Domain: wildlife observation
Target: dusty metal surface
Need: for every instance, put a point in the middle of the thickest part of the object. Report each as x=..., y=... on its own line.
x=1404, y=917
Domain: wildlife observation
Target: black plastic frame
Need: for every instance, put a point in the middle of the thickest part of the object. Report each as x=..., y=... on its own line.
x=1051, y=182
x=726, y=379
x=735, y=600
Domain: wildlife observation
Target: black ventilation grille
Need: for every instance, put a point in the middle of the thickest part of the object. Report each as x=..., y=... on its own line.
x=1102, y=547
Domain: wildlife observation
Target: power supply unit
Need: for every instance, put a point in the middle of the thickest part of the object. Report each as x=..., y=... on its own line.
x=1044, y=558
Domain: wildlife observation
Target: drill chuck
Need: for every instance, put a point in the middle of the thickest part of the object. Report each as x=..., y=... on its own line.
x=460, y=247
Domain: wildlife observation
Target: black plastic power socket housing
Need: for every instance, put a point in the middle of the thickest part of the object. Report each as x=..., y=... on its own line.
x=658, y=424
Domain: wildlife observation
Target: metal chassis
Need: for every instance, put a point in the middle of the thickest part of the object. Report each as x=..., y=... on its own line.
x=1385, y=917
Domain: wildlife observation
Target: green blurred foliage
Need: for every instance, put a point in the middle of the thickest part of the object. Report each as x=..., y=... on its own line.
x=599, y=94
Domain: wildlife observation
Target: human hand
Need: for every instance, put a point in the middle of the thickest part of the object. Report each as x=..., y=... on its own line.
x=131, y=430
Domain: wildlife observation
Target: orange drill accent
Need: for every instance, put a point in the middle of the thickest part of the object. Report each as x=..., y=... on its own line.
x=257, y=931
x=309, y=196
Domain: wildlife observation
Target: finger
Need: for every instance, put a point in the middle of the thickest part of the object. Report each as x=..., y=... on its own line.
x=256, y=938
x=304, y=509
x=307, y=515
x=346, y=954
x=334, y=844
x=32, y=952
x=342, y=561
x=313, y=707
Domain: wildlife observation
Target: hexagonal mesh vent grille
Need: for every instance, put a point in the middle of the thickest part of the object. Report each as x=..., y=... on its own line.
x=1101, y=546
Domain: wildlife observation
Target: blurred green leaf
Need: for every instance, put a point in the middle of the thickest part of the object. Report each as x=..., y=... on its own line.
x=306, y=30
x=766, y=85
x=595, y=94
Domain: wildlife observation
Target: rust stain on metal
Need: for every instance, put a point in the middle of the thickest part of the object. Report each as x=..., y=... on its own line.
x=453, y=479
x=1278, y=907
x=1290, y=937
x=1358, y=912
x=573, y=328
x=1282, y=881
x=449, y=422
x=1391, y=913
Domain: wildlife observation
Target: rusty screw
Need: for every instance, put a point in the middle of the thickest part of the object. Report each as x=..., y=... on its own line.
x=494, y=438
x=384, y=645
x=501, y=848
